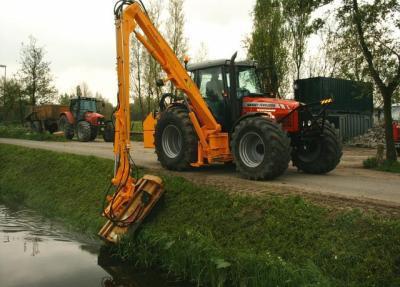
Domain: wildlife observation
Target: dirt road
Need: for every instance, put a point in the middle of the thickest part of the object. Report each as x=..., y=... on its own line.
x=349, y=180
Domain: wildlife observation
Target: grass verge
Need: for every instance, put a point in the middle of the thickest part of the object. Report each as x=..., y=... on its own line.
x=211, y=237
x=389, y=166
x=19, y=132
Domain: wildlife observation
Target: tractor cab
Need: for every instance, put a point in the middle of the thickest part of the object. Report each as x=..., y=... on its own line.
x=80, y=106
x=233, y=89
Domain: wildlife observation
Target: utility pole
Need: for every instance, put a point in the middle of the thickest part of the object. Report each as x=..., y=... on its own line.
x=5, y=80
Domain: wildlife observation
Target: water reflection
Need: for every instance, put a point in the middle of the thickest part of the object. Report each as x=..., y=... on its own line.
x=35, y=252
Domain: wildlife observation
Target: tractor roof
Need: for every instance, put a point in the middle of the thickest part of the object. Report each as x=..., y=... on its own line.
x=217, y=63
x=84, y=99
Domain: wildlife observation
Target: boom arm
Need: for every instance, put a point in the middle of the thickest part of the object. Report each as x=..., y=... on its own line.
x=128, y=20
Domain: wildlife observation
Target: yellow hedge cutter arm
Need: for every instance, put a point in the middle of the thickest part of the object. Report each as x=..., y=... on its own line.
x=133, y=199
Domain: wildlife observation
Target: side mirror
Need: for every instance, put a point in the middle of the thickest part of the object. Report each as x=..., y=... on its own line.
x=160, y=83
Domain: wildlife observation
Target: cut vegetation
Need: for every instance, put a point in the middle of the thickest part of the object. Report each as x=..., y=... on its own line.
x=211, y=237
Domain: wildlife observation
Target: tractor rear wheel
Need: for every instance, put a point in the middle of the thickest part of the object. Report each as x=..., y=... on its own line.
x=84, y=131
x=260, y=148
x=320, y=155
x=65, y=126
x=175, y=139
x=108, y=133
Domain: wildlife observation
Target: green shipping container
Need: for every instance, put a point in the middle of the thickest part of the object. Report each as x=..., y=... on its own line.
x=348, y=96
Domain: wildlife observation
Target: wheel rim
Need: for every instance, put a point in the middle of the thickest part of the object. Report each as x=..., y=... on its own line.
x=81, y=133
x=172, y=141
x=251, y=149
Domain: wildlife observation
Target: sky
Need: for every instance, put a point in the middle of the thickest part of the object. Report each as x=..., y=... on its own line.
x=79, y=36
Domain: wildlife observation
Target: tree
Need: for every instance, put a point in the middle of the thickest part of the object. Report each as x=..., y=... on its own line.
x=14, y=101
x=35, y=73
x=376, y=25
x=342, y=51
x=145, y=71
x=78, y=91
x=64, y=99
x=297, y=15
x=175, y=30
x=201, y=53
x=267, y=44
x=85, y=91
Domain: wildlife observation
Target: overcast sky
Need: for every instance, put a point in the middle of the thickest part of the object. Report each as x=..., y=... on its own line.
x=78, y=36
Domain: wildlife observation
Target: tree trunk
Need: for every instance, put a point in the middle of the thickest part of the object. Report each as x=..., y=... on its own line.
x=387, y=109
x=21, y=114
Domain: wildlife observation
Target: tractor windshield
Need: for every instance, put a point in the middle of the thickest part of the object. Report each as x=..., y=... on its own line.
x=88, y=106
x=396, y=113
x=248, y=80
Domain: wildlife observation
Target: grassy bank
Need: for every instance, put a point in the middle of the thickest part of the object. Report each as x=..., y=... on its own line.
x=209, y=236
x=389, y=166
x=19, y=132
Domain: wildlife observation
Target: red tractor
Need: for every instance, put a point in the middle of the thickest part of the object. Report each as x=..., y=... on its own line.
x=264, y=133
x=83, y=119
x=396, y=126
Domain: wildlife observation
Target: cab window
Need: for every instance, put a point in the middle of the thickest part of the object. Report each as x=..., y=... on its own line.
x=211, y=84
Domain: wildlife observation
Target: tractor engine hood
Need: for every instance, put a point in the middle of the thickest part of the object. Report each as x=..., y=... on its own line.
x=93, y=118
x=268, y=105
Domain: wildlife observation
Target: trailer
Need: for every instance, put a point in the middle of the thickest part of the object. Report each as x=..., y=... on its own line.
x=45, y=117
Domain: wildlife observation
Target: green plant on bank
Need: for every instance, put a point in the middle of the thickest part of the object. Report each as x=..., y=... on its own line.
x=19, y=132
x=137, y=126
x=137, y=129
x=389, y=166
x=211, y=237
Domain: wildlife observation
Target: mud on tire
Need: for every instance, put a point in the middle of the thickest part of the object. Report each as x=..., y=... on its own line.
x=175, y=139
x=319, y=156
x=260, y=148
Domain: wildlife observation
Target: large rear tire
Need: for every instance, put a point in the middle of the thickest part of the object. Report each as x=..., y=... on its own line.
x=260, y=148
x=320, y=155
x=175, y=140
x=65, y=126
x=108, y=133
x=84, y=131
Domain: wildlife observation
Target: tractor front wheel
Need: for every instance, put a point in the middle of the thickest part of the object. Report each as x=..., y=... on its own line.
x=260, y=148
x=84, y=131
x=175, y=139
x=108, y=133
x=319, y=155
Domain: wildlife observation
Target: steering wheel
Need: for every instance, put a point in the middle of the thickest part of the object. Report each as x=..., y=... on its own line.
x=242, y=92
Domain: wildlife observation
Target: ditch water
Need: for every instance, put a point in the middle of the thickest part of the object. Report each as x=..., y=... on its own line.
x=36, y=252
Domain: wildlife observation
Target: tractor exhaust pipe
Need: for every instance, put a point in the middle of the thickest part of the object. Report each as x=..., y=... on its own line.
x=235, y=104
